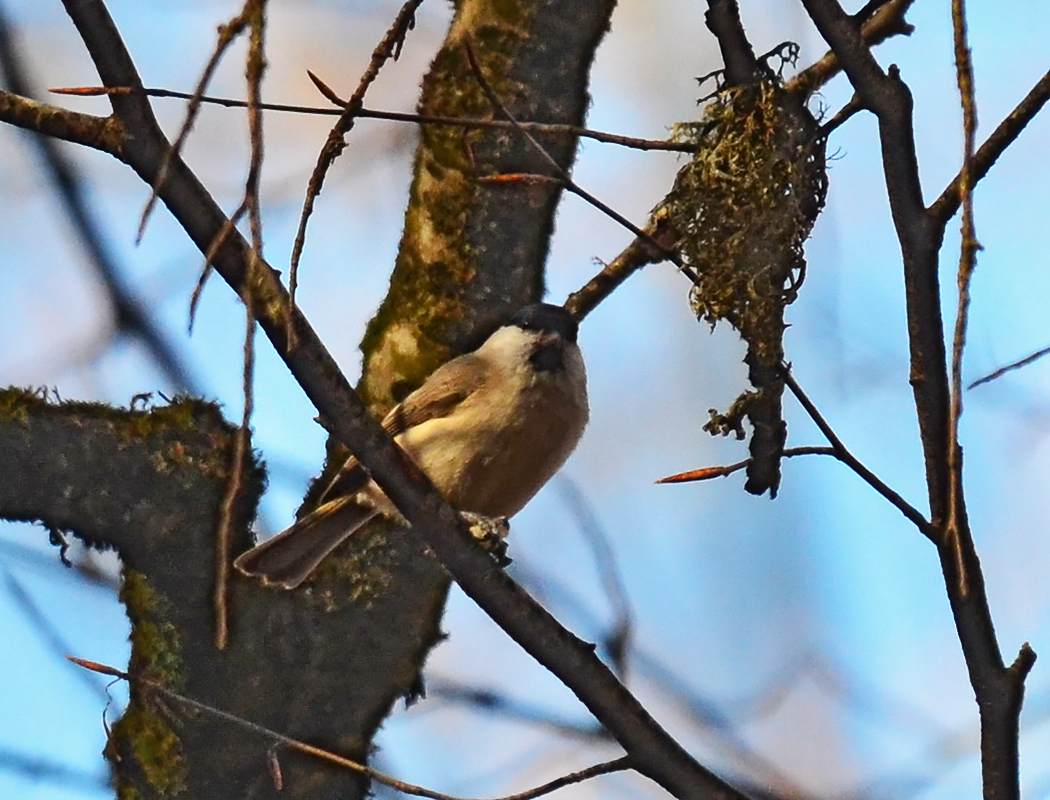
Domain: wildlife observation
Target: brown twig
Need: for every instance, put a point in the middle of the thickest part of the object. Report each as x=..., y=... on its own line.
x=844, y=114
x=842, y=453
x=707, y=473
x=228, y=33
x=885, y=22
x=1024, y=362
x=668, y=253
x=254, y=10
x=107, y=134
x=604, y=768
x=633, y=142
x=639, y=253
x=953, y=531
x=388, y=47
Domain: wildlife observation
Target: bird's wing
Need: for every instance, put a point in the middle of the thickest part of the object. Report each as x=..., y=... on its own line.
x=447, y=387
x=442, y=392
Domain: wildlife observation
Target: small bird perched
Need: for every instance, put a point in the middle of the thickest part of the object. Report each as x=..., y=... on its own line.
x=489, y=428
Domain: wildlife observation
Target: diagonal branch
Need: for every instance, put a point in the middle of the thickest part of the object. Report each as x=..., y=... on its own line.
x=604, y=768
x=99, y=133
x=945, y=206
x=886, y=21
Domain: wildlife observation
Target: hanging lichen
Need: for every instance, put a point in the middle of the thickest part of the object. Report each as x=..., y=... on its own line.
x=743, y=208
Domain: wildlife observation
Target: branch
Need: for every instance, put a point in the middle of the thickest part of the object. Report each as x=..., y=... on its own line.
x=1023, y=362
x=841, y=452
x=920, y=237
x=944, y=208
x=633, y=142
x=887, y=21
x=389, y=47
x=604, y=768
x=100, y=133
x=741, y=66
x=652, y=750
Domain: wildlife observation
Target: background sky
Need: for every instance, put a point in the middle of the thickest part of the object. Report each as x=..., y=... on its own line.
x=815, y=626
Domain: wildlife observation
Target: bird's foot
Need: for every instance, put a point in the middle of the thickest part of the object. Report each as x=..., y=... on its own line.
x=491, y=533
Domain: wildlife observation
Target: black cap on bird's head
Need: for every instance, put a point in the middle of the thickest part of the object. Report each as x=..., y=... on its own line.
x=547, y=318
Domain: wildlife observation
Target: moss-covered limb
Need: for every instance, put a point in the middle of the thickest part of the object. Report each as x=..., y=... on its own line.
x=102, y=471
x=472, y=250
x=323, y=665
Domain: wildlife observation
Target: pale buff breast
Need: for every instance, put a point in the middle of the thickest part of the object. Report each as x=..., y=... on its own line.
x=511, y=450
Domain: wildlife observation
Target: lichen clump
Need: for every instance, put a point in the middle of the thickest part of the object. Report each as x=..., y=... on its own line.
x=745, y=205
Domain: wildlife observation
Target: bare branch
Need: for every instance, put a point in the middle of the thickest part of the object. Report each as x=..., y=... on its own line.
x=632, y=254
x=842, y=453
x=956, y=531
x=100, y=133
x=637, y=254
x=389, y=47
x=994, y=146
x=633, y=142
x=228, y=33
x=886, y=22
x=604, y=768
x=1024, y=362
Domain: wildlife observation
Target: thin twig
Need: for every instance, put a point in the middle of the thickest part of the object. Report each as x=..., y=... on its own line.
x=954, y=533
x=851, y=461
x=634, y=142
x=637, y=254
x=1024, y=362
x=853, y=107
x=707, y=473
x=618, y=642
x=255, y=67
x=228, y=33
x=229, y=227
x=566, y=180
x=616, y=765
x=495, y=703
x=388, y=47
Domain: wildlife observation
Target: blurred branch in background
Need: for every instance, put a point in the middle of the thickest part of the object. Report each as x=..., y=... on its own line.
x=130, y=317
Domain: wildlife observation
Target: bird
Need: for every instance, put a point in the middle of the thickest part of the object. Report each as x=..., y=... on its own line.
x=489, y=428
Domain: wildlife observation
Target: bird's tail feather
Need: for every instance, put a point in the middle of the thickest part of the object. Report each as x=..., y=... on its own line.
x=288, y=558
